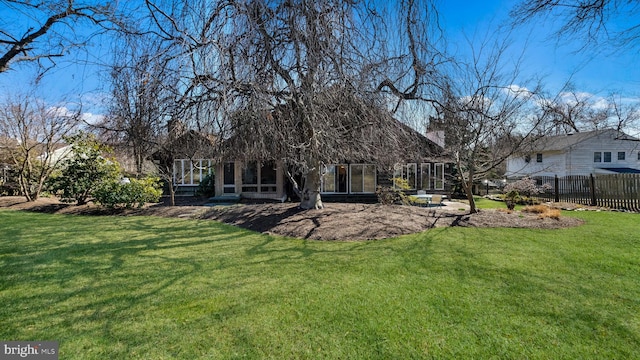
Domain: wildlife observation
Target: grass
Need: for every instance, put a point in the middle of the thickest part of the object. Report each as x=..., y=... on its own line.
x=154, y=288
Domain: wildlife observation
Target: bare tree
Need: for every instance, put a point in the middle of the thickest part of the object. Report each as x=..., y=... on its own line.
x=575, y=111
x=487, y=112
x=36, y=131
x=596, y=22
x=139, y=83
x=308, y=82
x=159, y=110
x=40, y=32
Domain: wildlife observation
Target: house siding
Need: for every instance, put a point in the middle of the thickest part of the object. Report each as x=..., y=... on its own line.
x=578, y=158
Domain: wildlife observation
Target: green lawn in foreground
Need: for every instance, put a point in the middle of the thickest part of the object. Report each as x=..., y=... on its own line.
x=155, y=288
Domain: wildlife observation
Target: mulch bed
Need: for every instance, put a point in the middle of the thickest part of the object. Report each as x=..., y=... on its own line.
x=337, y=221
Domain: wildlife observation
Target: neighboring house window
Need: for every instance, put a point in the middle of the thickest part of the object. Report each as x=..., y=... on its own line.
x=539, y=158
x=189, y=173
x=638, y=155
x=334, y=179
x=425, y=179
x=229, y=178
x=622, y=155
x=527, y=158
x=607, y=156
x=406, y=172
x=259, y=177
x=363, y=178
x=597, y=156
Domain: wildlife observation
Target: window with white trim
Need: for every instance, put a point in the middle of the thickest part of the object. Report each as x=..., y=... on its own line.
x=425, y=176
x=438, y=176
x=334, y=179
x=190, y=172
x=406, y=172
x=363, y=178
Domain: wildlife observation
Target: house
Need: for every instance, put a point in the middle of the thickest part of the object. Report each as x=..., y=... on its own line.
x=606, y=151
x=347, y=180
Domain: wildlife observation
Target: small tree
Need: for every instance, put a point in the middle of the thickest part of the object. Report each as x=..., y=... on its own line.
x=85, y=170
x=524, y=187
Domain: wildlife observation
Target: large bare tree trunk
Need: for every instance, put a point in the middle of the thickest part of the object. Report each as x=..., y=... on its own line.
x=310, y=198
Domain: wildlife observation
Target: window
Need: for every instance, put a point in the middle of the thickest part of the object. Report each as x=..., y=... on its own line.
x=229, y=178
x=607, y=156
x=334, y=179
x=268, y=177
x=597, y=156
x=408, y=173
x=527, y=158
x=363, y=178
x=425, y=176
x=621, y=155
x=259, y=177
x=250, y=177
x=438, y=174
x=539, y=158
x=190, y=172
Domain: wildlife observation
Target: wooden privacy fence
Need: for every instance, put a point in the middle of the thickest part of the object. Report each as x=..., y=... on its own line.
x=616, y=191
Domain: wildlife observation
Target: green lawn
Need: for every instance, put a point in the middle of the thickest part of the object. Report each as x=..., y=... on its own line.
x=155, y=288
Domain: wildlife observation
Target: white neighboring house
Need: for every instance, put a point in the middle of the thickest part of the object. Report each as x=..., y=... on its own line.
x=593, y=152
x=57, y=156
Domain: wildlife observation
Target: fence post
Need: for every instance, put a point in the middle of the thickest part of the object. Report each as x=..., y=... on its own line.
x=556, y=189
x=592, y=183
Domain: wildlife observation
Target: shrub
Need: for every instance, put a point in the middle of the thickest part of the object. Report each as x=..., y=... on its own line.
x=138, y=192
x=207, y=186
x=389, y=195
x=521, y=191
x=86, y=170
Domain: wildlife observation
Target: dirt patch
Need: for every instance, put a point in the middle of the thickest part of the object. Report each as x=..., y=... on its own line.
x=336, y=221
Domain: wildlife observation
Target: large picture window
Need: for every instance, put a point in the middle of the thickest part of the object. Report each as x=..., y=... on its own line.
x=259, y=177
x=190, y=172
x=363, y=178
x=334, y=179
x=432, y=176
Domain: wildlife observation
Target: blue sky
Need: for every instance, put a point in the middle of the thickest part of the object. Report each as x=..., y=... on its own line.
x=556, y=61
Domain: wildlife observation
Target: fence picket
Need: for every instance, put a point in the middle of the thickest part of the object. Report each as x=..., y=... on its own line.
x=617, y=191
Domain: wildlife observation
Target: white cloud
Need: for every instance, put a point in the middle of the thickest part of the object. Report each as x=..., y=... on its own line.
x=92, y=119
x=63, y=111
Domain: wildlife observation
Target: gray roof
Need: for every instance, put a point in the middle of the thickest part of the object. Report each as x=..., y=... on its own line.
x=561, y=142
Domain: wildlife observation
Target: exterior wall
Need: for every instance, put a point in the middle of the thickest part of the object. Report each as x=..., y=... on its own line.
x=237, y=187
x=581, y=155
x=553, y=162
x=367, y=189
x=578, y=159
